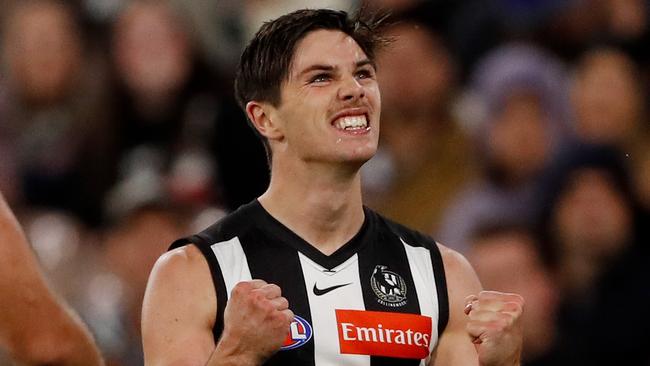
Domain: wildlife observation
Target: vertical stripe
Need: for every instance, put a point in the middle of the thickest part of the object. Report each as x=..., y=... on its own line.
x=233, y=263
x=277, y=263
x=419, y=259
x=441, y=288
x=386, y=250
x=326, y=339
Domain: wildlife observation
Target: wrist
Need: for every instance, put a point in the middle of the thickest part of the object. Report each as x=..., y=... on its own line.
x=230, y=351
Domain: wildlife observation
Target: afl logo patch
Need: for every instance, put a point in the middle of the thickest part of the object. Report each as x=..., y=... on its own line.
x=389, y=287
x=299, y=333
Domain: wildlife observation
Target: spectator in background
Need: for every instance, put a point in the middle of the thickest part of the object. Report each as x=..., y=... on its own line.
x=510, y=259
x=599, y=242
x=423, y=156
x=518, y=93
x=607, y=98
x=609, y=103
x=53, y=128
x=167, y=100
x=131, y=246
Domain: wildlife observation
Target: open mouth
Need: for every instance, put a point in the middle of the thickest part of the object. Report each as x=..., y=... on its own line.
x=352, y=123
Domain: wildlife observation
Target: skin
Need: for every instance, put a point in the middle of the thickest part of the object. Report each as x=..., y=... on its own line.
x=36, y=328
x=315, y=191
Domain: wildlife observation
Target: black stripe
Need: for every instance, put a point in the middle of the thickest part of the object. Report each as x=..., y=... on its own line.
x=277, y=263
x=441, y=288
x=386, y=249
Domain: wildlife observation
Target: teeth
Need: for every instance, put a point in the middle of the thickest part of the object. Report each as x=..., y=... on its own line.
x=351, y=123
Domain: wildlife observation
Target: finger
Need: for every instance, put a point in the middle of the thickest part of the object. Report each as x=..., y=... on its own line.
x=513, y=308
x=488, y=304
x=469, y=303
x=280, y=303
x=245, y=287
x=491, y=316
x=470, y=298
x=502, y=296
x=288, y=314
x=270, y=291
x=257, y=283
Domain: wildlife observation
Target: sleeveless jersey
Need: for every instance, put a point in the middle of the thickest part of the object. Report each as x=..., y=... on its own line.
x=381, y=299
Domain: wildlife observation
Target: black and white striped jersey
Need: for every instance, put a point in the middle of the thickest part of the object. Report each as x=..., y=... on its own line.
x=381, y=299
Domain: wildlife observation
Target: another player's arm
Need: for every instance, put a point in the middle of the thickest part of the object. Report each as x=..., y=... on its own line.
x=487, y=333
x=36, y=327
x=179, y=312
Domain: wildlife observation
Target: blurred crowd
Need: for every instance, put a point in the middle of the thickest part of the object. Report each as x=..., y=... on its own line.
x=514, y=131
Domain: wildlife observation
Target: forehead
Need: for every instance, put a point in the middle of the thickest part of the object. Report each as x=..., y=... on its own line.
x=326, y=47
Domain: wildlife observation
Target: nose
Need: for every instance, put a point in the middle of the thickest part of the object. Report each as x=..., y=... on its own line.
x=351, y=90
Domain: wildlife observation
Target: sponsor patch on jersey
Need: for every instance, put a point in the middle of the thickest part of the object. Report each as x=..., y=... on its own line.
x=388, y=286
x=378, y=333
x=300, y=332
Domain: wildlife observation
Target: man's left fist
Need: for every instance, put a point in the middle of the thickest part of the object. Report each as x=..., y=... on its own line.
x=495, y=327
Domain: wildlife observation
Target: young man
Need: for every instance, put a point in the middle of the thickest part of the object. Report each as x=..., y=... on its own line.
x=305, y=275
x=36, y=328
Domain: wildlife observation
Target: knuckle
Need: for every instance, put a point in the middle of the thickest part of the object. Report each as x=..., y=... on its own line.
x=275, y=288
x=289, y=315
x=516, y=307
x=240, y=289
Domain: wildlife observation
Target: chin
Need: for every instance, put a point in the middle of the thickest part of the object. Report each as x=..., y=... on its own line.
x=361, y=156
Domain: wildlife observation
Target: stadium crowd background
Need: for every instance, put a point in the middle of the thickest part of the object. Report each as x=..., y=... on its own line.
x=515, y=131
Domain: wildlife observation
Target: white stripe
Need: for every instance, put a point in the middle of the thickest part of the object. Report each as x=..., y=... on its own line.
x=322, y=308
x=233, y=263
x=419, y=259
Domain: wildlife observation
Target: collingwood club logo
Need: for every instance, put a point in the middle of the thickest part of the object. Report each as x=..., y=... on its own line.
x=389, y=287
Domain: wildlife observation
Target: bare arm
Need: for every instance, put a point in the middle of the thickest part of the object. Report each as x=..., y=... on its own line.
x=179, y=310
x=484, y=326
x=179, y=313
x=35, y=326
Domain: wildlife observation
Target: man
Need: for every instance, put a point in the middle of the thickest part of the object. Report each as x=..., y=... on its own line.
x=305, y=275
x=36, y=328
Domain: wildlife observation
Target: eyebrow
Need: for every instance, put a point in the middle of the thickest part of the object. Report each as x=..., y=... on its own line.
x=322, y=67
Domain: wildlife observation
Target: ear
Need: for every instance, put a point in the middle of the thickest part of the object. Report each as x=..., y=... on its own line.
x=260, y=115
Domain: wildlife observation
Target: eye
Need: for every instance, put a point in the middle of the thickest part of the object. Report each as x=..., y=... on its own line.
x=320, y=78
x=364, y=74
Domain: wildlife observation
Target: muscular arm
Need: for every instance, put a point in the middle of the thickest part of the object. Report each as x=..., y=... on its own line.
x=179, y=310
x=179, y=313
x=36, y=327
x=484, y=326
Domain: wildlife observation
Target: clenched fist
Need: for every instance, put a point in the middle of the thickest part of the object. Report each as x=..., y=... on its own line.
x=495, y=327
x=256, y=321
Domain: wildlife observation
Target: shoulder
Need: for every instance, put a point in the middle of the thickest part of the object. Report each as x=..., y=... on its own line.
x=454, y=261
x=186, y=257
x=179, y=309
x=458, y=270
x=181, y=279
x=407, y=235
x=461, y=282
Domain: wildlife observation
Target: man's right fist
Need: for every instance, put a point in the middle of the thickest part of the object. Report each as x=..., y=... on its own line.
x=256, y=320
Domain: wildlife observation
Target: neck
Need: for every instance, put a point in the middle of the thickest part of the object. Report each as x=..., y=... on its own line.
x=320, y=203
